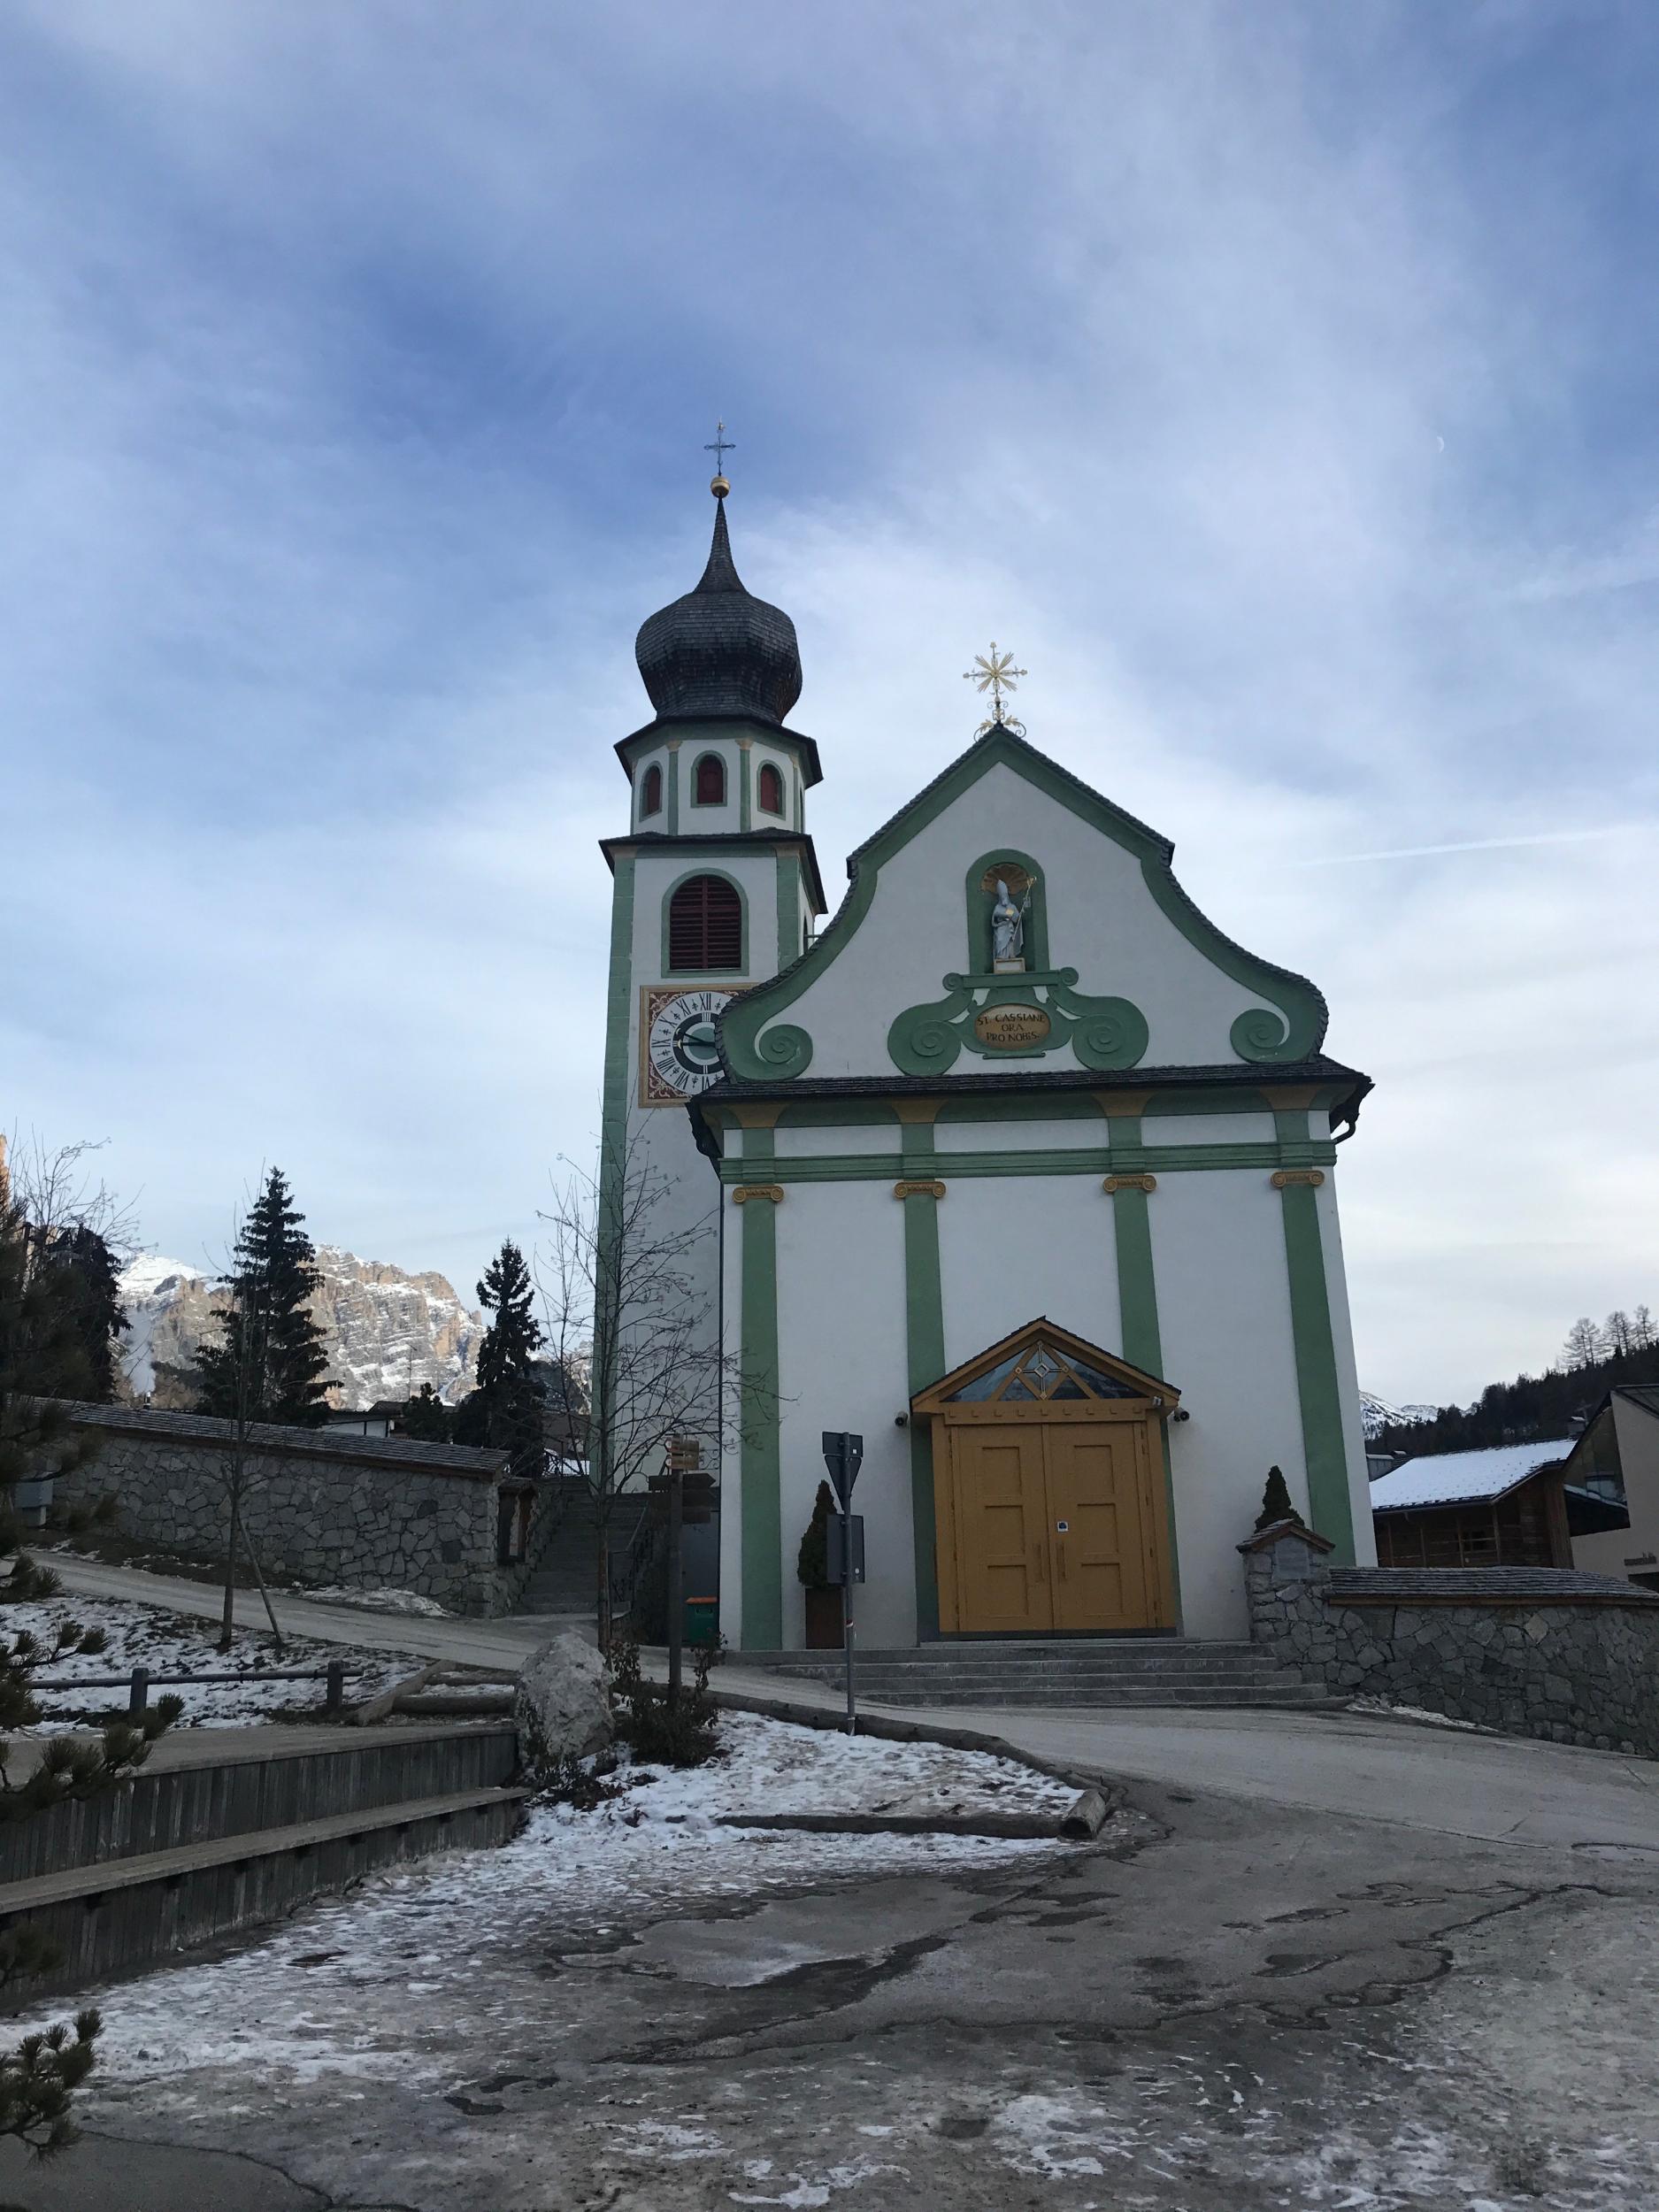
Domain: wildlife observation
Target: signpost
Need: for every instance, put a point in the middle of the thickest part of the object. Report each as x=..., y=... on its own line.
x=843, y=1455
x=683, y=1491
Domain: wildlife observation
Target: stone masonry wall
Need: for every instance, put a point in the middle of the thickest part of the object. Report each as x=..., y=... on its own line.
x=1531, y=1651
x=322, y=1509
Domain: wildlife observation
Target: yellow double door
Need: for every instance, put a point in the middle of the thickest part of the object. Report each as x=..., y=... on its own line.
x=1055, y=1525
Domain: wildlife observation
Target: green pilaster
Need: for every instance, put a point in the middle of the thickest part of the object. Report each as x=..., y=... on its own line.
x=1322, y=1445
x=1138, y=1296
x=673, y=789
x=745, y=785
x=788, y=909
x=614, y=1109
x=758, y=1453
x=925, y=1344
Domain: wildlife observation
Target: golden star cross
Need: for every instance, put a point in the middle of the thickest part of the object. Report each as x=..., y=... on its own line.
x=996, y=674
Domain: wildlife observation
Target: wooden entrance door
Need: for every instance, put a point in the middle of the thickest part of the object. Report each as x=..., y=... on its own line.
x=1001, y=1514
x=1050, y=1530
x=1049, y=1490
x=1098, y=1544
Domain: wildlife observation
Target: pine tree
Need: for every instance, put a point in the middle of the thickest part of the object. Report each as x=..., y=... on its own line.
x=426, y=1418
x=505, y=1409
x=271, y=1364
x=91, y=1288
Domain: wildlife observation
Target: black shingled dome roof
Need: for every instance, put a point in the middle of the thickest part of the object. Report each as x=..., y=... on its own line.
x=719, y=652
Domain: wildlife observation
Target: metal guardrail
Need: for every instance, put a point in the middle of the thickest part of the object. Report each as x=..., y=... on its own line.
x=140, y=1682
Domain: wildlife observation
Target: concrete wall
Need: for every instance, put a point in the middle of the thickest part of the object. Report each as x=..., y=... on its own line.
x=1635, y=1549
x=322, y=1507
x=1531, y=1651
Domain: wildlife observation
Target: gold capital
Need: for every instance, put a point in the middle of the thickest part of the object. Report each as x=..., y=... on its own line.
x=1115, y=1183
x=1289, y=1178
x=742, y=1192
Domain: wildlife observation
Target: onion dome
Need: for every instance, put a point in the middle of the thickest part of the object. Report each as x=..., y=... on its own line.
x=719, y=653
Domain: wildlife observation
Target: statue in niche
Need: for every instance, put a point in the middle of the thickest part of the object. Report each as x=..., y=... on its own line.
x=1008, y=932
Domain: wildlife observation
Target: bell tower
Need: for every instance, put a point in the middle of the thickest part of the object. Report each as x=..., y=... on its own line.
x=715, y=883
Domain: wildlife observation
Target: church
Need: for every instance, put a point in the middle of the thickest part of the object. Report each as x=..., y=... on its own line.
x=1016, y=1166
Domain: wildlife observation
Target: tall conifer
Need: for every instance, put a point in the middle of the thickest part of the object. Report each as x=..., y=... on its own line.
x=505, y=1409
x=272, y=1363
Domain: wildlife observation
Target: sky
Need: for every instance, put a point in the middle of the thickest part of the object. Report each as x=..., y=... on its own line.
x=1277, y=380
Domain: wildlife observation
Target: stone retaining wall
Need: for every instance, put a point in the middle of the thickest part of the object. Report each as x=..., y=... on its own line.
x=1531, y=1651
x=322, y=1507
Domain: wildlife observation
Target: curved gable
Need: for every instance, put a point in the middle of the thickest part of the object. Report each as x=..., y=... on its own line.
x=1121, y=968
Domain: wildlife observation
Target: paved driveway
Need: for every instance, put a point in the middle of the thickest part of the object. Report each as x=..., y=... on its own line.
x=1501, y=1789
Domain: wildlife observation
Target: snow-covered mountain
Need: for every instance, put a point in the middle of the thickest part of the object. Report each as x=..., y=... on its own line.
x=1376, y=1414
x=387, y=1331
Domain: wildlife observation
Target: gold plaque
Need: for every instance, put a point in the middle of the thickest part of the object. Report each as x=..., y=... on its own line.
x=1009, y=1027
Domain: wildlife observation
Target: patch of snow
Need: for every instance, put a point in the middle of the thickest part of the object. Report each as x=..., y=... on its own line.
x=329, y=1993
x=168, y=1644
x=1416, y=1712
x=1445, y=1478
x=381, y=1600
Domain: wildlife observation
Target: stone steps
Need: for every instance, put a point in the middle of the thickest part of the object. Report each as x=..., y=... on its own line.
x=1061, y=1671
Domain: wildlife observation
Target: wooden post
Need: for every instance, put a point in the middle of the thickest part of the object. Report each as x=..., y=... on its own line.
x=335, y=1696
x=138, y=1694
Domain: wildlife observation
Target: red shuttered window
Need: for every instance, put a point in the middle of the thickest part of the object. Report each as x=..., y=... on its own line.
x=705, y=926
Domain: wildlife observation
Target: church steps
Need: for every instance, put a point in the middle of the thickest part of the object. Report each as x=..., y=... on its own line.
x=1138, y=1672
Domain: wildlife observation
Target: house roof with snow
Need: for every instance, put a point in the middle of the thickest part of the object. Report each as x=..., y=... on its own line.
x=1456, y=1478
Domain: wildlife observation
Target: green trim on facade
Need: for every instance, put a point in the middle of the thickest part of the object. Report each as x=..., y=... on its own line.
x=614, y=1096
x=671, y=974
x=1109, y=1034
x=788, y=909
x=1137, y=1285
x=980, y=902
x=759, y=1462
x=1323, y=1450
x=1216, y=1102
x=1083, y=1159
x=1289, y=1026
x=924, y=1348
x=673, y=790
x=745, y=785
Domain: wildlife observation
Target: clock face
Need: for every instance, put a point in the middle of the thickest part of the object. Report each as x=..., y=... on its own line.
x=678, y=1054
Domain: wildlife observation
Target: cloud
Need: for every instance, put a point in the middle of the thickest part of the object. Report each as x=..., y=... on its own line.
x=358, y=368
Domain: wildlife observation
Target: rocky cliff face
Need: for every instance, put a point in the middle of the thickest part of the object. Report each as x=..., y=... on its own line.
x=387, y=1331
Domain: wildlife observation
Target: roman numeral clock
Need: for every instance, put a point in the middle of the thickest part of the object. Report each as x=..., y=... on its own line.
x=678, y=1054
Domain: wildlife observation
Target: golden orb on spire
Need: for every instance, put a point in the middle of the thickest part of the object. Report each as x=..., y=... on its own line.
x=718, y=486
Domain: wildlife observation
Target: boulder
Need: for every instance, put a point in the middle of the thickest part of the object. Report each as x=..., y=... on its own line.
x=562, y=1705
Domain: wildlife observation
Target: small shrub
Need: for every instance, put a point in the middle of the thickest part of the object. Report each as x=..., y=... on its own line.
x=1276, y=1505
x=104, y=1512
x=681, y=1733
x=582, y=1783
x=812, y=1562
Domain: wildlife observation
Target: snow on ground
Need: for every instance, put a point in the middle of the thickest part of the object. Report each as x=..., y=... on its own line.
x=412, y=1970
x=168, y=1644
x=381, y=1600
x=773, y=1766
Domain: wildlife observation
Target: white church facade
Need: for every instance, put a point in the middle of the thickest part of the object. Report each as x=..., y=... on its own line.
x=1018, y=1167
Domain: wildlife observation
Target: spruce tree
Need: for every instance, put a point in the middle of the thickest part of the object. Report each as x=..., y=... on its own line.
x=426, y=1418
x=1276, y=1502
x=271, y=1364
x=91, y=1290
x=505, y=1409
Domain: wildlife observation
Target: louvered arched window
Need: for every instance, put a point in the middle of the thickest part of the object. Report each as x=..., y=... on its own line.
x=771, y=788
x=651, y=794
x=708, y=784
x=705, y=926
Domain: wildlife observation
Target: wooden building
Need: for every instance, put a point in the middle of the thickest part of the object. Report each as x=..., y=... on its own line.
x=1504, y=1507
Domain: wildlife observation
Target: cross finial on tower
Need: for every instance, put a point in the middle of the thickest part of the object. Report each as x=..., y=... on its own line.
x=996, y=674
x=720, y=445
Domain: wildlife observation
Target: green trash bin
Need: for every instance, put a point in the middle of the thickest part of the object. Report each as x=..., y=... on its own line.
x=702, y=1621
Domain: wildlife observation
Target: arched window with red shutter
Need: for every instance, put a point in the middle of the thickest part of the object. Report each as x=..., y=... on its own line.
x=705, y=927
x=708, y=785
x=769, y=790
x=651, y=792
